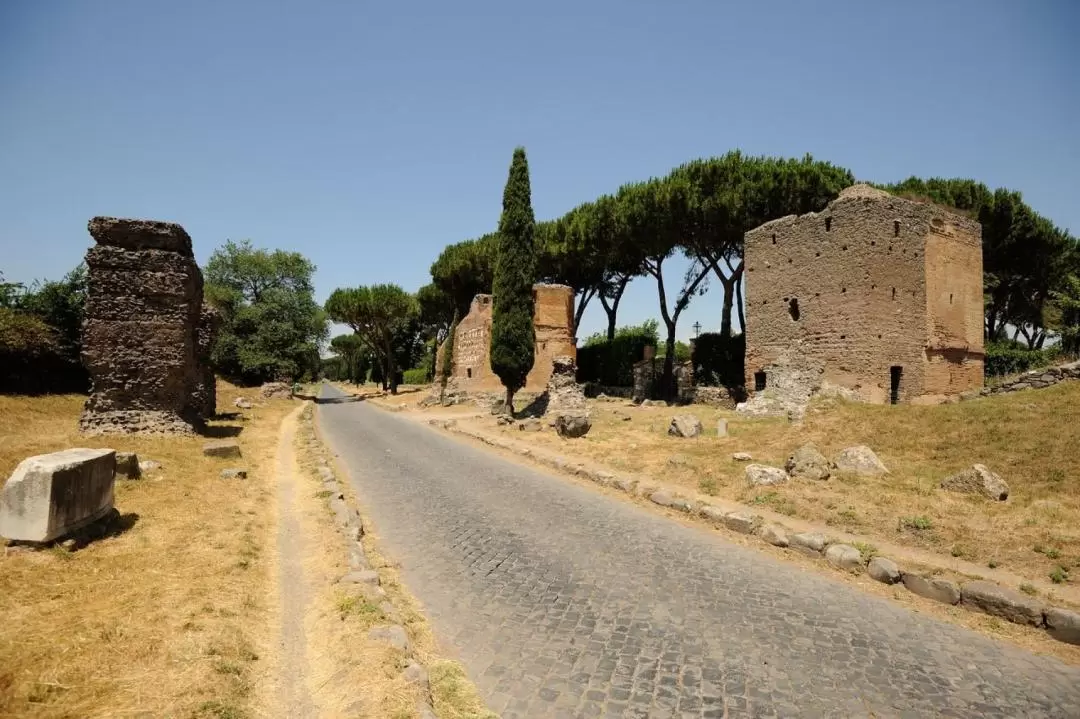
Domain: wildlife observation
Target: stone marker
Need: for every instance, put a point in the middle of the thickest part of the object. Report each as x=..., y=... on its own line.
x=1002, y=602
x=940, y=590
x=684, y=425
x=775, y=535
x=844, y=556
x=760, y=475
x=721, y=427
x=50, y=495
x=1063, y=625
x=664, y=499
x=977, y=479
x=233, y=474
x=741, y=522
x=742, y=457
x=883, y=570
x=811, y=543
x=228, y=448
x=860, y=460
x=808, y=463
x=127, y=465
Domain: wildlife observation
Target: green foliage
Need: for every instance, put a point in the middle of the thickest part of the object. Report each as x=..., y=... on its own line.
x=512, y=335
x=448, y=352
x=415, y=376
x=611, y=363
x=1008, y=357
x=1067, y=302
x=355, y=359
x=719, y=360
x=386, y=319
x=271, y=325
x=920, y=523
x=464, y=270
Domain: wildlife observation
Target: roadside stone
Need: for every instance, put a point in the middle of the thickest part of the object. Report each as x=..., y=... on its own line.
x=940, y=590
x=845, y=557
x=664, y=499
x=683, y=505
x=1063, y=625
x=860, y=460
x=977, y=479
x=721, y=428
x=653, y=403
x=808, y=463
x=1003, y=602
x=69, y=545
x=572, y=425
x=277, y=390
x=363, y=576
x=233, y=474
x=415, y=675
x=685, y=425
x=742, y=457
x=811, y=543
x=775, y=535
x=241, y=403
x=713, y=514
x=127, y=465
x=325, y=473
x=148, y=465
x=530, y=425
x=394, y=635
x=504, y=419
x=741, y=522
x=626, y=485
x=227, y=448
x=883, y=570
x=760, y=475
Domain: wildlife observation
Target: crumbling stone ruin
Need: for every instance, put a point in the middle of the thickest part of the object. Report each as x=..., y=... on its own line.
x=553, y=322
x=140, y=333
x=877, y=296
x=204, y=395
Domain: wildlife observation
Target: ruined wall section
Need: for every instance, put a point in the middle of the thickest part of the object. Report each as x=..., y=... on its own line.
x=204, y=392
x=843, y=288
x=139, y=334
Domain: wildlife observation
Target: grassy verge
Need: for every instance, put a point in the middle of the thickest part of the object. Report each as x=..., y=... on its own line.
x=165, y=619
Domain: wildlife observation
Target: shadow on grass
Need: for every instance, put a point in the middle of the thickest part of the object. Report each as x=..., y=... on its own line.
x=221, y=431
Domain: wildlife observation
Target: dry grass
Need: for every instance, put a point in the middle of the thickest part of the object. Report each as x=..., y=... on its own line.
x=165, y=619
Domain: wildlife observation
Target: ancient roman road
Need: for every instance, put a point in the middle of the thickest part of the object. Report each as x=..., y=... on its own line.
x=563, y=602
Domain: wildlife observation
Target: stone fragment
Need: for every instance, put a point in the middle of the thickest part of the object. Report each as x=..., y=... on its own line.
x=808, y=463
x=1063, y=625
x=685, y=425
x=653, y=403
x=572, y=425
x=204, y=390
x=940, y=590
x=148, y=465
x=664, y=499
x=276, y=390
x=1002, y=602
x=394, y=635
x=845, y=557
x=51, y=495
x=721, y=428
x=714, y=514
x=860, y=460
x=127, y=465
x=742, y=457
x=977, y=479
x=228, y=448
x=678, y=460
x=325, y=473
x=760, y=475
x=530, y=425
x=140, y=234
x=233, y=474
x=362, y=576
x=775, y=535
x=504, y=419
x=741, y=522
x=415, y=675
x=563, y=393
x=626, y=485
x=242, y=403
x=883, y=570
x=812, y=543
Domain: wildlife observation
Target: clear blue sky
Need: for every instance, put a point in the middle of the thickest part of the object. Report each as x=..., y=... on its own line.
x=369, y=135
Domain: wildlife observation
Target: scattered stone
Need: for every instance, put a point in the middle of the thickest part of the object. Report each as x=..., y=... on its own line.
x=233, y=474
x=415, y=675
x=760, y=475
x=1063, y=625
x=325, y=473
x=276, y=390
x=363, y=576
x=712, y=513
x=127, y=465
x=50, y=495
x=572, y=425
x=394, y=634
x=883, y=570
x=148, y=465
x=69, y=544
x=227, y=448
x=741, y=522
x=1002, y=602
x=742, y=457
x=808, y=463
x=977, y=479
x=940, y=590
x=845, y=557
x=653, y=403
x=860, y=460
x=530, y=425
x=812, y=543
x=241, y=403
x=678, y=460
x=664, y=499
x=685, y=425
x=504, y=419
x=775, y=535
x=721, y=428
x=626, y=485
x=683, y=505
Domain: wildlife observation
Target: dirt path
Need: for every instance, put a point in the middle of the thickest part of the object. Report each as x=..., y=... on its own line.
x=294, y=587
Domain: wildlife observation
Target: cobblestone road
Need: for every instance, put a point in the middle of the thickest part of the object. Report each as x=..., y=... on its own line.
x=562, y=602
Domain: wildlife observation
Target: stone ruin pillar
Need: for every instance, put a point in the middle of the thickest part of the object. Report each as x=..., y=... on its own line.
x=139, y=331
x=204, y=394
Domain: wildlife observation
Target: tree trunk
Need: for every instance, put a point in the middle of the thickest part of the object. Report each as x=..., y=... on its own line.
x=668, y=384
x=612, y=310
x=739, y=304
x=510, y=401
x=583, y=302
x=390, y=370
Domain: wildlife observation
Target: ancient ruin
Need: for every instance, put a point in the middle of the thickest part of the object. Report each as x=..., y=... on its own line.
x=877, y=296
x=204, y=394
x=553, y=322
x=140, y=333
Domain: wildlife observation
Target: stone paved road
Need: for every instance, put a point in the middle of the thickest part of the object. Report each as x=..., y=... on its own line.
x=562, y=602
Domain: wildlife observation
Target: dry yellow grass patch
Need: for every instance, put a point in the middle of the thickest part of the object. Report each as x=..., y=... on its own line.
x=165, y=619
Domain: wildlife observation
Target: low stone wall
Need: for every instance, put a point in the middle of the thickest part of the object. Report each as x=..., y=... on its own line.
x=1035, y=379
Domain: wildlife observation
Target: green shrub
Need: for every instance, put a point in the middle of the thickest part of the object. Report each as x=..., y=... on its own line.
x=719, y=361
x=1005, y=358
x=32, y=359
x=416, y=376
x=611, y=362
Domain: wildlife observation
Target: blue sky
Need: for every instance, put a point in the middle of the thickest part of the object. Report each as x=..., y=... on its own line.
x=369, y=135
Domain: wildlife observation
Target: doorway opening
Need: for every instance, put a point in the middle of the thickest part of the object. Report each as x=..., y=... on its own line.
x=895, y=373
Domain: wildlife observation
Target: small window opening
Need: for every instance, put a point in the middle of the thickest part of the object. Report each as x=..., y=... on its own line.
x=843, y=337
x=896, y=228
x=894, y=293
x=789, y=260
x=828, y=224
x=895, y=373
x=845, y=248
x=950, y=298
x=774, y=239
x=843, y=290
x=873, y=287
x=793, y=308
x=759, y=381
x=817, y=254
x=468, y=372
x=873, y=243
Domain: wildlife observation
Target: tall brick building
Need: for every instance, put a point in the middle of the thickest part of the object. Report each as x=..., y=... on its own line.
x=876, y=294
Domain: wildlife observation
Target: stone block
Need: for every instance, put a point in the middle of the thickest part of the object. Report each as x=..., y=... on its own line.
x=227, y=448
x=713, y=514
x=977, y=479
x=1002, y=602
x=721, y=428
x=394, y=635
x=233, y=474
x=860, y=460
x=51, y=495
x=741, y=522
x=812, y=543
x=940, y=590
x=883, y=570
x=742, y=457
x=685, y=425
x=572, y=425
x=775, y=535
x=808, y=463
x=127, y=465
x=140, y=234
x=1063, y=625
x=845, y=557
x=760, y=475
x=664, y=499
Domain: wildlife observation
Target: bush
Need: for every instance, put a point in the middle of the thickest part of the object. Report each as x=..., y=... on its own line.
x=1005, y=358
x=611, y=362
x=32, y=360
x=719, y=361
x=416, y=376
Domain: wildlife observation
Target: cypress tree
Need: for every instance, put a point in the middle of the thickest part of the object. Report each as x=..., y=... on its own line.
x=512, y=336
